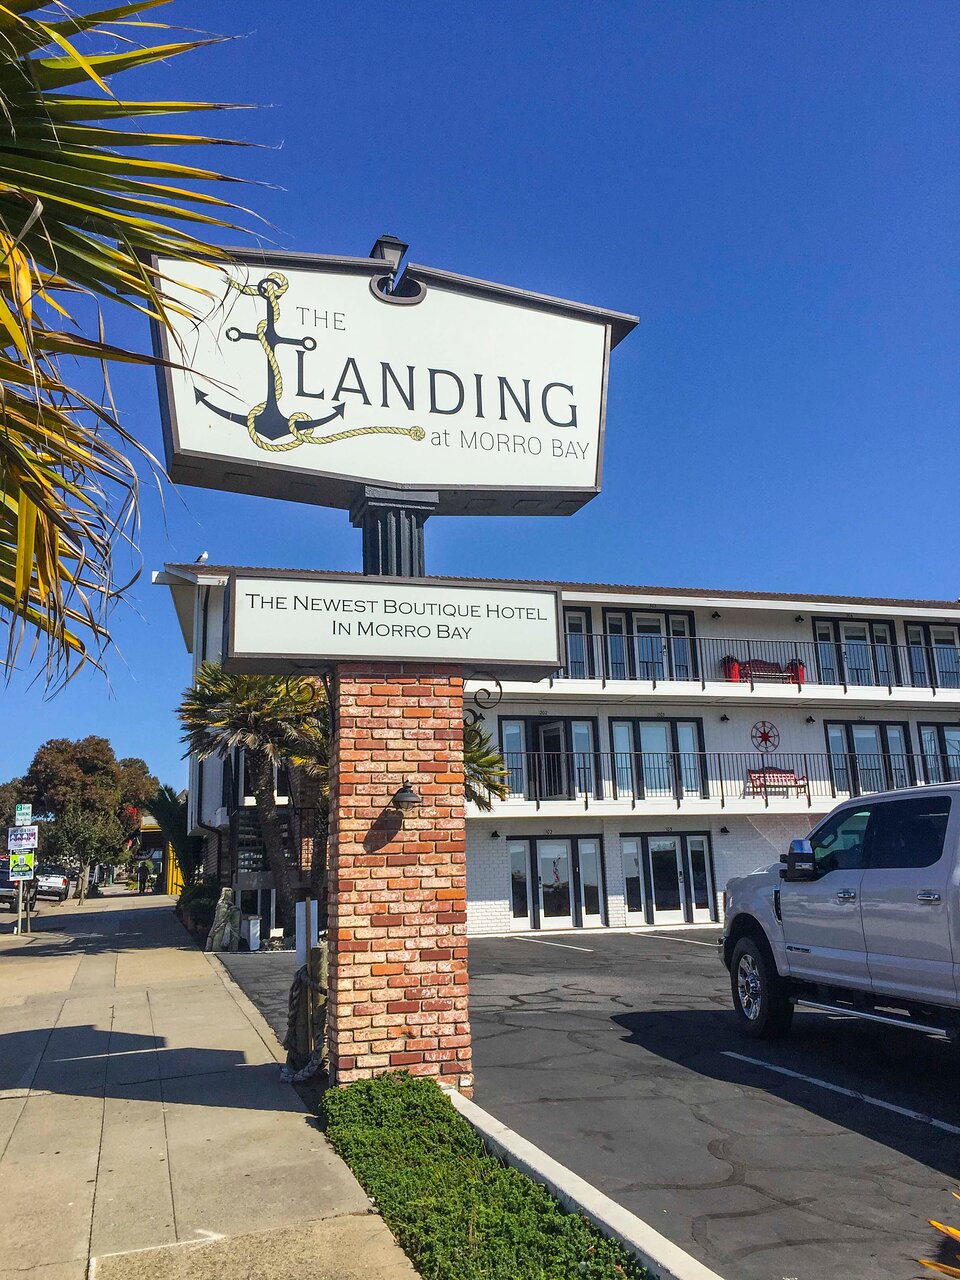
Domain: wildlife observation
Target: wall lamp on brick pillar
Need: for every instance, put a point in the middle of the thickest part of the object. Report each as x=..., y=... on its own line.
x=406, y=799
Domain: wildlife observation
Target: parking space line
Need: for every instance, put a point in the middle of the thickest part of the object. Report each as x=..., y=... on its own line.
x=848, y=1093
x=542, y=943
x=669, y=937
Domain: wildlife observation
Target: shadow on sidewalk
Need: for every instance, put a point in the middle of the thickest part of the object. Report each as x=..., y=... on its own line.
x=84, y=1060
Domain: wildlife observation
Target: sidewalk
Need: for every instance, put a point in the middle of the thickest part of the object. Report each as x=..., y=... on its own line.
x=144, y=1130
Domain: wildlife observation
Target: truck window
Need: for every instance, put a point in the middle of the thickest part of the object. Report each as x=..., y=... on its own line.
x=909, y=833
x=840, y=844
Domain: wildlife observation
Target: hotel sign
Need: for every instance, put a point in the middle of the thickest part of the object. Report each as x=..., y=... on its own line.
x=308, y=379
x=283, y=623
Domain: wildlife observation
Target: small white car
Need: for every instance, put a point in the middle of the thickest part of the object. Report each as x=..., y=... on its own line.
x=862, y=918
x=52, y=882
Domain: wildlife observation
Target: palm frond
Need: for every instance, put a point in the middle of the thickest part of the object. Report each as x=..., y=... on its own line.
x=84, y=201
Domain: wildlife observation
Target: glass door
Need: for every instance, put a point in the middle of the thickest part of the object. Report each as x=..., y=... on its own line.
x=591, y=891
x=514, y=756
x=699, y=880
x=916, y=651
x=616, y=625
x=631, y=848
x=951, y=751
x=883, y=654
x=553, y=784
x=856, y=653
x=519, y=884
x=868, y=752
x=649, y=646
x=578, y=653
x=689, y=758
x=656, y=762
x=554, y=883
x=624, y=780
x=667, y=872
x=681, y=655
x=581, y=734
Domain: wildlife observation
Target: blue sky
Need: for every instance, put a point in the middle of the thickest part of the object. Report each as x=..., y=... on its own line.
x=773, y=188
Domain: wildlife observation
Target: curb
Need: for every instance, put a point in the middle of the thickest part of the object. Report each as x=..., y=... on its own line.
x=664, y=1258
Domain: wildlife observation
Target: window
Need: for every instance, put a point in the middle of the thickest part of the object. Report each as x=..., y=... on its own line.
x=840, y=844
x=865, y=757
x=908, y=833
x=616, y=627
x=512, y=747
x=826, y=653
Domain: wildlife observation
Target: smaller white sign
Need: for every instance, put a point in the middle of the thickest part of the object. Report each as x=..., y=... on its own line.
x=21, y=866
x=23, y=815
x=19, y=838
x=288, y=624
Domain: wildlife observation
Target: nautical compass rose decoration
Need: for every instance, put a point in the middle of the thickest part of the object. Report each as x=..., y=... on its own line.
x=266, y=423
x=765, y=736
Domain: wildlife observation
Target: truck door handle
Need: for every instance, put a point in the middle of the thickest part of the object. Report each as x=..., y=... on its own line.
x=928, y=896
x=846, y=895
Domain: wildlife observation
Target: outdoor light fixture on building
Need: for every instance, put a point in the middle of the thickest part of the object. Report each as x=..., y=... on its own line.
x=406, y=799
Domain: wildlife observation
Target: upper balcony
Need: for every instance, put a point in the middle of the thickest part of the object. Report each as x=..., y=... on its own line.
x=743, y=669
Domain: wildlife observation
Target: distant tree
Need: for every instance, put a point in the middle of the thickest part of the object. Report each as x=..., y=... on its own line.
x=84, y=777
x=169, y=808
x=12, y=793
x=83, y=837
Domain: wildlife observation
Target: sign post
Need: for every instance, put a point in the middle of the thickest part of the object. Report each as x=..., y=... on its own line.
x=21, y=843
x=394, y=395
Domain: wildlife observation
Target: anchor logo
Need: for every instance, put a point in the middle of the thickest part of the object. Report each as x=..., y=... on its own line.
x=266, y=423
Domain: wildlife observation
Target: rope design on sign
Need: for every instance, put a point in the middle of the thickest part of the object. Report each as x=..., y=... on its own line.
x=272, y=288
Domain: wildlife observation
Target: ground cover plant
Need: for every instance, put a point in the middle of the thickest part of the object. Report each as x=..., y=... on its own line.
x=459, y=1213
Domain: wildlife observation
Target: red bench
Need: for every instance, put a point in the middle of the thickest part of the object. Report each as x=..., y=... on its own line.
x=794, y=672
x=772, y=781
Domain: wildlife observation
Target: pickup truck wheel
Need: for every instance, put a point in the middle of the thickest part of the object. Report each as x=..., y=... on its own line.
x=760, y=998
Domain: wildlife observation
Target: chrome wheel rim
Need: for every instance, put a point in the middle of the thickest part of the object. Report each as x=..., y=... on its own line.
x=749, y=989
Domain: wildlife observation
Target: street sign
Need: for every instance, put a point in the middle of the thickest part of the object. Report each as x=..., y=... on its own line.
x=21, y=865
x=23, y=815
x=20, y=838
x=309, y=378
x=287, y=623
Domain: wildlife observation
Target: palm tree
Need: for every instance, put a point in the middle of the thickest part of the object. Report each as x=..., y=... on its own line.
x=272, y=720
x=79, y=214
x=484, y=772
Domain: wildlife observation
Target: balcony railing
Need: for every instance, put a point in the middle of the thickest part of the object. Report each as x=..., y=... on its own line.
x=703, y=661
x=637, y=778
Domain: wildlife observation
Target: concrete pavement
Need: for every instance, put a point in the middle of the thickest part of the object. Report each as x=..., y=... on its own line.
x=144, y=1130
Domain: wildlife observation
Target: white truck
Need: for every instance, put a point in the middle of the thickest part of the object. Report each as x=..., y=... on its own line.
x=863, y=917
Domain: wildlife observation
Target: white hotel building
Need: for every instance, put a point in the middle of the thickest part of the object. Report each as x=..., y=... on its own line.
x=688, y=737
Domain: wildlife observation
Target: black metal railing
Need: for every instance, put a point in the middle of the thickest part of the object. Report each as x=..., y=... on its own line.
x=298, y=826
x=759, y=662
x=638, y=777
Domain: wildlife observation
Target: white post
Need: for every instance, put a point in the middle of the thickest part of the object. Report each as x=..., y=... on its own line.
x=19, y=906
x=307, y=919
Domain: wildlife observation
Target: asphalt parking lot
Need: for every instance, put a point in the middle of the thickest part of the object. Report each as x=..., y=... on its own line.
x=819, y=1156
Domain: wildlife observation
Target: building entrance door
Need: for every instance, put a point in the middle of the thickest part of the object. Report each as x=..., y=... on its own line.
x=668, y=879
x=555, y=884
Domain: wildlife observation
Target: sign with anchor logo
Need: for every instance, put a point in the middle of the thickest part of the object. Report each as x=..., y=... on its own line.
x=310, y=377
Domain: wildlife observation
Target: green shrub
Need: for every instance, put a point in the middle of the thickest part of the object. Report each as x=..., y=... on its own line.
x=458, y=1212
x=200, y=902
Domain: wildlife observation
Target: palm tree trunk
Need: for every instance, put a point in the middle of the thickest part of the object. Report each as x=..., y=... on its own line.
x=261, y=776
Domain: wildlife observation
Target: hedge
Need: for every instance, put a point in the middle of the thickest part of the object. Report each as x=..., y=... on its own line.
x=457, y=1211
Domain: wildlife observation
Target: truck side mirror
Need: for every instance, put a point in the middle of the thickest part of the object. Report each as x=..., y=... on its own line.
x=799, y=862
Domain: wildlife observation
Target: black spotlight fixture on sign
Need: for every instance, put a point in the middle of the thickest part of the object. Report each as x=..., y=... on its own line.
x=406, y=799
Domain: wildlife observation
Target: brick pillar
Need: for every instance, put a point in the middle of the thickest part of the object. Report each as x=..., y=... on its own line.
x=398, y=947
